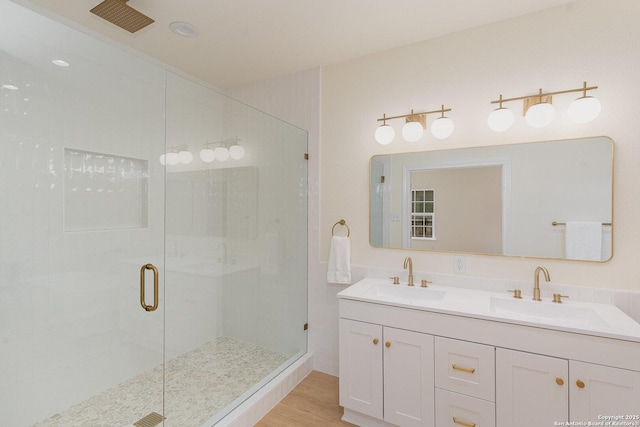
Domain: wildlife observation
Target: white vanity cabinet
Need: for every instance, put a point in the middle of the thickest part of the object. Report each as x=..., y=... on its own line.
x=531, y=390
x=597, y=390
x=387, y=373
x=420, y=363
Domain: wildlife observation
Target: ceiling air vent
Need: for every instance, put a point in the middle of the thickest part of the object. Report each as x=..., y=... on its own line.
x=117, y=12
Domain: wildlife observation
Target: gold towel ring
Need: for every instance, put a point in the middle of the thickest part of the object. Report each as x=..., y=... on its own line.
x=341, y=222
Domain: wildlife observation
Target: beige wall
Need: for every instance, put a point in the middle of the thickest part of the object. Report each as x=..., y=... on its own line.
x=468, y=208
x=555, y=50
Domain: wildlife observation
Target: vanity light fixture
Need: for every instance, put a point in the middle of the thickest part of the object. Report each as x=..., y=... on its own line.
x=176, y=155
x=224, y=150
x=539, y=111
x=442, y=127
x=385, y=133
x=501, y=118
x=185, y=156
x=415, y=124
x=207, y=155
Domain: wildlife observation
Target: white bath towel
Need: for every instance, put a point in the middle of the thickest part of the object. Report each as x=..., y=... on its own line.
x=583, y=240
x=339, y=270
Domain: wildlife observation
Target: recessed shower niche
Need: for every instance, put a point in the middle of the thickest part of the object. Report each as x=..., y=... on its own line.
x=104, y=191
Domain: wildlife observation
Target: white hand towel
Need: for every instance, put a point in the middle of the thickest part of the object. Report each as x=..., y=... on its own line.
x=583, y=240
x=339, y=270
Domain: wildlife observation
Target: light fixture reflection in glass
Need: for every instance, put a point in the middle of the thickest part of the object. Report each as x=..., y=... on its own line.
x=9, y=87
x=500, y=119
x=185, y=157
x=207, y=155
x=221, y=153
x=384, y=135
x=163, y=159
x=442, y=128
x=60, y=63
x=584, y=109
x=412, y=131
x=540, y=115
x=172, y=158
x=236, y=152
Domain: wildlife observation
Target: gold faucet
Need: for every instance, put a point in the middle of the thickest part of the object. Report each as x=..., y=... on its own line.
x=536, y=282
x=408, y=261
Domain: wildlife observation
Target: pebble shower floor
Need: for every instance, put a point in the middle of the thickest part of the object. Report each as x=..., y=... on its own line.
x=199, y=383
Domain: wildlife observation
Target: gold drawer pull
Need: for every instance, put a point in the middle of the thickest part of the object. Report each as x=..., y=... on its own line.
x=460, y=368
x=580, y=384
x=375, y=341
x=387, y=344
x=559, y=381
x=463, y=423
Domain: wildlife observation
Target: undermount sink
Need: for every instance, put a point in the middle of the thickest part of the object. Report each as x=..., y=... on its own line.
x=547, y=312
x=400, y=293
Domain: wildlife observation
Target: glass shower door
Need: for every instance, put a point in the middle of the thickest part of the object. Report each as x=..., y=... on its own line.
x=236, y=258
x=81, y=214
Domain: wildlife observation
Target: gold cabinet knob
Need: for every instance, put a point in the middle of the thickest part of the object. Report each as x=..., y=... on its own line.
x=559, y=381
x=580, y=384
x=387, y=344
x=375, y=341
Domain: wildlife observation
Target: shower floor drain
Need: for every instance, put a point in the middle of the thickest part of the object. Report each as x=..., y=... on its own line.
x=151, y=420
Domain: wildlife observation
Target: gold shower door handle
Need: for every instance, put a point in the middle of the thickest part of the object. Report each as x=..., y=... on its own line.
x=143, y=302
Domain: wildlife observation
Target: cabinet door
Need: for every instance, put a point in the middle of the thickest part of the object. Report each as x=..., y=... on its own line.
x=602, y=390
x=408, y=378
x=531, y=390
x=360, y=364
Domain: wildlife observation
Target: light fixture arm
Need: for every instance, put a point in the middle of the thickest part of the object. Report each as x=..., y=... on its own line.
x=223, y=143
x=412, y=114
x=540, y=94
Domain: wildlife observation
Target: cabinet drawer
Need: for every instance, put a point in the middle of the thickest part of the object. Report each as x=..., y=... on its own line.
x=458, y=410
x=466, y=368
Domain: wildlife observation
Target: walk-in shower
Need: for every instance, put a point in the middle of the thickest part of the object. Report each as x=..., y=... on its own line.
x=107, y=207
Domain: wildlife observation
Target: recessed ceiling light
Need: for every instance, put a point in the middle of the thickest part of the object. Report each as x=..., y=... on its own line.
x=10, y=87
x=60, y=63
x=184, y=29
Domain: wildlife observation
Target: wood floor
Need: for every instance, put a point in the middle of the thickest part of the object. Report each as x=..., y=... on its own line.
x=313, y=403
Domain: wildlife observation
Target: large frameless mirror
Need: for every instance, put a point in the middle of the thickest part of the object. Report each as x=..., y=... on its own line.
x=550, y=199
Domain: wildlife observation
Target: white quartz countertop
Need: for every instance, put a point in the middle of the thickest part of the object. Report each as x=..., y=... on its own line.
x=603, y=320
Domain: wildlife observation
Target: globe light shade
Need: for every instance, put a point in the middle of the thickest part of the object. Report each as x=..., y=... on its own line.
x=236, y=152
x=221, y=153
x=172, y=159
x=442, y=128
x=500, y=119
x=412, y=131
x=540, y=115
x=584, y=109
x=185, y=157
x=207, y=155
x=385, y=134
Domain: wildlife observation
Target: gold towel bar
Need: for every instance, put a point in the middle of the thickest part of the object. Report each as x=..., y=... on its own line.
x=341, y=222
x=554, y=223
